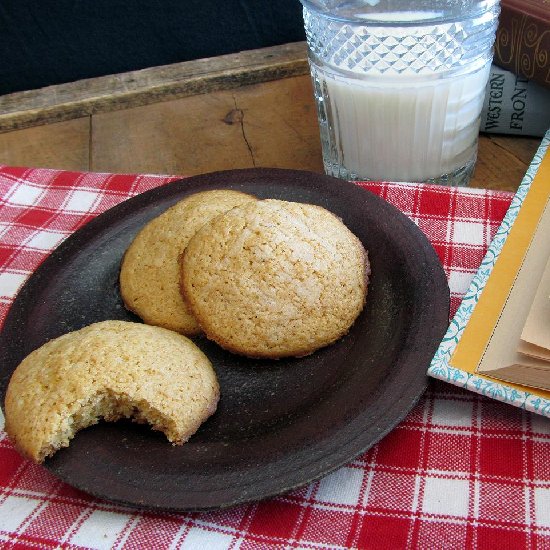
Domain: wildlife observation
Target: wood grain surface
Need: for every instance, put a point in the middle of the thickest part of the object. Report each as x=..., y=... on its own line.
x=242, y=110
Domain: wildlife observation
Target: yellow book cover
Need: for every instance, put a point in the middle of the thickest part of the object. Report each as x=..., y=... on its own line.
x=496, y=339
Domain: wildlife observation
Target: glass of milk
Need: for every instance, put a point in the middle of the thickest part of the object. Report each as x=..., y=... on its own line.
x=399, y=85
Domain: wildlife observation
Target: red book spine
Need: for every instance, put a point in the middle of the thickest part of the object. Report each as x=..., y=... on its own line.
x=523, y=39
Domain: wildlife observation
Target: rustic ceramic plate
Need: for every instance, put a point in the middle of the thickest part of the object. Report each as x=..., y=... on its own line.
x=280, y=424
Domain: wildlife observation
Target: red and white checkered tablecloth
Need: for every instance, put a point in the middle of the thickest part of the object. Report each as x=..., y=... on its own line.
x=461, y=471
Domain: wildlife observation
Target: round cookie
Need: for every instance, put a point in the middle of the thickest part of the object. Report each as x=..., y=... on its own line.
x=274, y=278
x=149, y=272
x=110, y=370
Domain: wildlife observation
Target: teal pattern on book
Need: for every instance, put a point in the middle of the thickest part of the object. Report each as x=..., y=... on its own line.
x=440, y=367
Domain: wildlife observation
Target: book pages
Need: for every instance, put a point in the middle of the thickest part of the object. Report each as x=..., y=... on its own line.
x=535, y=336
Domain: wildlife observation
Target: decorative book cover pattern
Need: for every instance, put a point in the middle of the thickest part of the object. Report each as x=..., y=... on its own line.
x=523, y=39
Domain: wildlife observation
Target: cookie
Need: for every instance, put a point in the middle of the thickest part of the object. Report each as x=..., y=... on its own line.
x=275, y=279
x=110, y=370
x=149, y=271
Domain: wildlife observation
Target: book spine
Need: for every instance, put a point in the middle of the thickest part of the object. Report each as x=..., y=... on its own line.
x=522, y=42
x=514, y=105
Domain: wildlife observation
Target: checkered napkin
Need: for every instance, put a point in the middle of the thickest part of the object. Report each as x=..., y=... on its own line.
x=461, y=471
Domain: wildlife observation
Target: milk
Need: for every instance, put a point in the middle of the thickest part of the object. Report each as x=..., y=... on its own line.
x=399, y=129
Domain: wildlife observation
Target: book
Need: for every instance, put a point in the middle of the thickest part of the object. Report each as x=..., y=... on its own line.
x=522, y=42
x=514, y=105
x=499, y=322
x=495, y=344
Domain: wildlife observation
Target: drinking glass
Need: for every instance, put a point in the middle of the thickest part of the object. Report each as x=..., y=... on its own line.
x=399, y=85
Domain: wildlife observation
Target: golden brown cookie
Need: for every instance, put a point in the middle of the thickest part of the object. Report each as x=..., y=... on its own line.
x=273, y=278
x=149, y=272
x=110, y=370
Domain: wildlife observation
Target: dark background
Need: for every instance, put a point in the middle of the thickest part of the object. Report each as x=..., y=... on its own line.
x=44, y=42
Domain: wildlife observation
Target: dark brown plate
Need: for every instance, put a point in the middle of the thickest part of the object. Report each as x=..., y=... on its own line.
x=280, y=424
